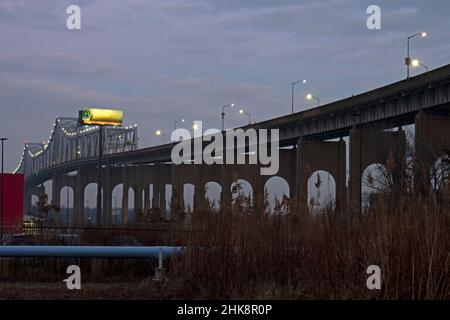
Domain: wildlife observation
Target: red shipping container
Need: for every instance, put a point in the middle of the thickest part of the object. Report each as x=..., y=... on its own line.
x=12, y=202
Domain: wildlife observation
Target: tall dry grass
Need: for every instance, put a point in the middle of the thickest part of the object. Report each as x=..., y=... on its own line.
x=241, y=254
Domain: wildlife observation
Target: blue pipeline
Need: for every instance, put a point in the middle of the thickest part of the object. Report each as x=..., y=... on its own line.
x=88, y=251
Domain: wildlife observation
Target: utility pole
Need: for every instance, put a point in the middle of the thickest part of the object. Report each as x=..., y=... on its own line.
x=3, y=191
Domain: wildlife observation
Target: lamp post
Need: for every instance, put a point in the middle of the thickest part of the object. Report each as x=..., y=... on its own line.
x=242, y=111
x=160, y=133
x=309, y=96
x=408, y=58
x=292, y=92
x=223, y=114
x=3, y=190
x=176, y=122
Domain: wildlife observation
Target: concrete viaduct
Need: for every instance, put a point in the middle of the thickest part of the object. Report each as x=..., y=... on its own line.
x=371, y=120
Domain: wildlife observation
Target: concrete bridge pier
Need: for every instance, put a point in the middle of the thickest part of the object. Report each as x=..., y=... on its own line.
x=162, y=198
x=258, y=182
x=329, y=156
x=155, y=201
x=139, y=189
x=138, y=204
x=199, y=186
x=177, y=199
x=147, y=206
x=107, y=195
x=370, y=146
x=225, y=181
x=56, y=191
x=37, y=191
x=432, y=139
x=58, y=184
x=79, y=217
x=126, y=187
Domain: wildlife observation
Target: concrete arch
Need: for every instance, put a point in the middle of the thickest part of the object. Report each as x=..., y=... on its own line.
x=276, y=188
x=117, y=203
x=48, y=186
x=167, y=201
x=67, y=196
x=375, y=180
x=430, y=144
x=33, y=205
x=213, y=193
x=90, y=202
x=30, y=205
x=321, y=191
x=375, y=176
x=329, y=156
x=129, y=206
x=57, y=184
x=241, y=188
x=440, y=172
x=150, y=199
x=188, y=196
x=373, y=146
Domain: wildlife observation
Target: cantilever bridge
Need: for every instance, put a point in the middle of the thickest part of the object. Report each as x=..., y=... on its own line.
x=423, y=100
x=71, y=143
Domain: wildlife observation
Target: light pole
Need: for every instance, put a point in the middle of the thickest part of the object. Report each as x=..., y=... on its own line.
x=408, y=58
x=415, y=63
x=242, y=111
x=176, y=122
x=309, y=96
x=3, y=190
x=292, y=92
x=223, y=114
x=160, y=133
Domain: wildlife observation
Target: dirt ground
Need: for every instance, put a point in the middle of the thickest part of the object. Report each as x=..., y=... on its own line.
x=59, y=291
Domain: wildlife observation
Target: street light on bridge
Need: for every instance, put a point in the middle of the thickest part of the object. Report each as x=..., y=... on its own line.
x=160, y=133
x=416, y=63
x=292, y=92
x=408, y=58
x=176, y=122
x=242, y=111
x=309, y=96
x=223, y=114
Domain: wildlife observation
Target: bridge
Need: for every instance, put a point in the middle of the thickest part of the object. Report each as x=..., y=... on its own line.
x=372, y=121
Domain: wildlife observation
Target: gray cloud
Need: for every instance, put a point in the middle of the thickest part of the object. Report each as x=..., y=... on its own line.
x=163, y=60
x=56, y=64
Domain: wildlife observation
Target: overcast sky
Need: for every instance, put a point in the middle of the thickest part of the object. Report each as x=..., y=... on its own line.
x=160, y=61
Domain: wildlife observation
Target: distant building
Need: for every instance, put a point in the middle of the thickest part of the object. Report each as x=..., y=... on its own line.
x=13, y=198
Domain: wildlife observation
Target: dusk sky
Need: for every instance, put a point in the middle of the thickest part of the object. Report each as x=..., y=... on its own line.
x=160, y=61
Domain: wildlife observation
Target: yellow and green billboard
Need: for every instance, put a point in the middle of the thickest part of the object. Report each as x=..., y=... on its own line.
x=102, y=117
